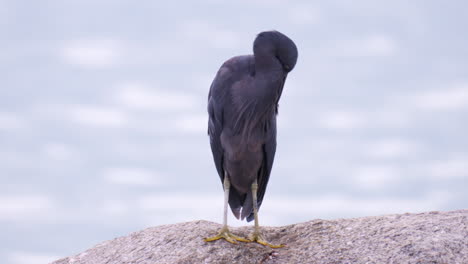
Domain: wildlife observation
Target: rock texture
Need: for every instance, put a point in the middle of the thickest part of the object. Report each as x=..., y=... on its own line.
x=433, y=237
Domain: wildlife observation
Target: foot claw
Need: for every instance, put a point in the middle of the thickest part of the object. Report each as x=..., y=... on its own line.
x=227, y=235
x=257, y=237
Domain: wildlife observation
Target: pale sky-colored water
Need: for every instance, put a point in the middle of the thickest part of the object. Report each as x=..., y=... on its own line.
x=103, y=114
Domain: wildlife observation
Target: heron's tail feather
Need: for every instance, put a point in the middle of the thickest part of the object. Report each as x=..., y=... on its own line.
x=247, y=207
x=235, y=201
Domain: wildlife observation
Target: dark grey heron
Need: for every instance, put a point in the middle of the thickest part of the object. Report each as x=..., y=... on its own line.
x=242, y=108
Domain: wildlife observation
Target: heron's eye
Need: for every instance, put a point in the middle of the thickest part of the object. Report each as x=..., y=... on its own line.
x=278, y=58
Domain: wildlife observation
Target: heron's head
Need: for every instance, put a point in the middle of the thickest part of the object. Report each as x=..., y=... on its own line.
x=279, y=45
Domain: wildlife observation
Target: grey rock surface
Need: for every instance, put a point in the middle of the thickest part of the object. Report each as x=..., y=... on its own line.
x=433, y=237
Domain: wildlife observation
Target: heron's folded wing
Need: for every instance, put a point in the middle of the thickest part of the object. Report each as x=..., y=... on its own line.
x=214, y=131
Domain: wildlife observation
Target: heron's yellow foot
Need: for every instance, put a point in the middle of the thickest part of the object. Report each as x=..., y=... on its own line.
x=227, y=235
x=258, y=237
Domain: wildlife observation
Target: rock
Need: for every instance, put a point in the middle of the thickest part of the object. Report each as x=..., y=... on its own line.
x=433, y=237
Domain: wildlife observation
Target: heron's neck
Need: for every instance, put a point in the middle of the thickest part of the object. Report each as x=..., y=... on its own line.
x=266, y=63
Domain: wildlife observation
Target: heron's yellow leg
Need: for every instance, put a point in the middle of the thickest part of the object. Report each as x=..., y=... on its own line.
x=224, y=232
x=256, y=236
